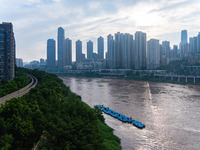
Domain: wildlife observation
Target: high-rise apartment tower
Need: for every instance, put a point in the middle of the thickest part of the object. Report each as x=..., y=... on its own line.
x=100, y=47
x=7, y=51
x=89, y=49
x=61, y=37
x=51, y=53
x=78, y=51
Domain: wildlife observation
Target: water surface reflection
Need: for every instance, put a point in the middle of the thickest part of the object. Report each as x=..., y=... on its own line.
x=170, y=112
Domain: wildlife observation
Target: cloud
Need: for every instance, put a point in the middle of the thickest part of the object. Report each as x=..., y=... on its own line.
x=173, y=5
x=35, y=21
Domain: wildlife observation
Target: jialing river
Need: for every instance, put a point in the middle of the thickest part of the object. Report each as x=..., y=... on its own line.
x=170, y=112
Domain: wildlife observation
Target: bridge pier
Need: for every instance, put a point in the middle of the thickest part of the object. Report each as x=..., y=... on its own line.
x=186, y=79
x=178, y=79
x=194, y=79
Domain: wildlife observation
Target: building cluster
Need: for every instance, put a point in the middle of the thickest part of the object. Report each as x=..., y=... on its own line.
x=124, y=51
x=135, y=52
x=94, y=60
x=64, y=47
x=193, y=49
x=64, y=53
x=7, y=51
x=19, y=62
x=35, y=64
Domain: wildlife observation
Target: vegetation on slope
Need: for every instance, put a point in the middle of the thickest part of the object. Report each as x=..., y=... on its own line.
x=20, y=81
x=54, y=116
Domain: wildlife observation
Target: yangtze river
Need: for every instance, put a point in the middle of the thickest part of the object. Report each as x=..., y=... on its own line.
x=170, y=112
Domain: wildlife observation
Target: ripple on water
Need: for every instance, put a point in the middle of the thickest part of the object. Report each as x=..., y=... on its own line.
x=171, y=112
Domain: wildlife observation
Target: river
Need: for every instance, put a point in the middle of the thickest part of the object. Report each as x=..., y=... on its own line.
x=170, y=112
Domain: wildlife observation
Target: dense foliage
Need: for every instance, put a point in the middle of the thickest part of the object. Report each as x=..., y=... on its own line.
x=20, y=81
x=54, y=116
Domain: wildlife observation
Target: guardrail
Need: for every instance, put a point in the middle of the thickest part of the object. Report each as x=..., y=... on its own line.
x=22, y=91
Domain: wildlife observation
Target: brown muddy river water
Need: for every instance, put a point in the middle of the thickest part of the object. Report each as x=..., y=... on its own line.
x=170, y=112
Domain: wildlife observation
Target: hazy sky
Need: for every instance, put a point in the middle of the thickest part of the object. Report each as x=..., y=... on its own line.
x=35, y=21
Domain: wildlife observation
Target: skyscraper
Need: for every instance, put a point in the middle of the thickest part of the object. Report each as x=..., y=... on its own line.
x=153, y=54
x=61, y=37
x=67, y=58
x=198, y=42
x=78, y=51
x=184, y=37
x=128, y=56
x=140, y=50
x=109, y=41
x=89, y=49
x=114, y=48
x=184, y=44
x=51, y=53
x=191, y=45
x=195, y=43
x=100, y=47
x=119, y=53
x=7, y=51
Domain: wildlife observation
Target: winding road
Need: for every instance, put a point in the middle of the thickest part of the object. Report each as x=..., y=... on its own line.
x=20, y=92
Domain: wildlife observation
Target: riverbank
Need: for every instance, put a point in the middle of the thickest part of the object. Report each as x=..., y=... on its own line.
x=154, y=104
x=137, y=78
x=54, y=116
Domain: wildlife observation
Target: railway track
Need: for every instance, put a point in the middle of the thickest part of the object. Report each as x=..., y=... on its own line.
x=20, y=92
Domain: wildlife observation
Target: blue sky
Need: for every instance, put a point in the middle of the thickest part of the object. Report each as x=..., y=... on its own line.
x=35, y=21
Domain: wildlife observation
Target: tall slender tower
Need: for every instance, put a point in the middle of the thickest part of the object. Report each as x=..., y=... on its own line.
x=191, y=45
x=109, y=41
x=198, y=42
x=119, y=37
x=7, y=51
x=195, y=43
x=100, y=48
x=184, y=37
x=51, y=53
x=61, y=37
x=67, y=58
x=89, y=49
x=140, y=50
x=78, y=50
x=184, y=46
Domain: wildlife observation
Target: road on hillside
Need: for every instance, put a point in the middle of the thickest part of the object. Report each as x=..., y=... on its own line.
x=20, y=92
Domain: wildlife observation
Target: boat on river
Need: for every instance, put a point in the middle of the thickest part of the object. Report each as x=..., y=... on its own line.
x=120, y=116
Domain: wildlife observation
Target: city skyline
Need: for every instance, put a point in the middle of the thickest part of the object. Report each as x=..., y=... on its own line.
x=126, y=51
x=35, y=21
